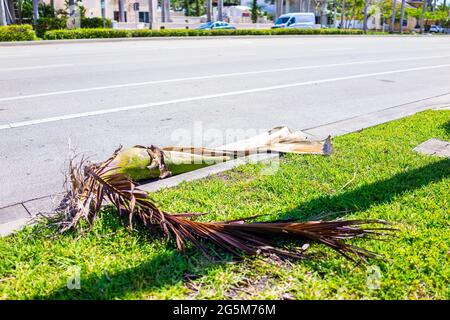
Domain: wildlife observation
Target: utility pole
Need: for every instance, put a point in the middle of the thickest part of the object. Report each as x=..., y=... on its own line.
x=2, y=13
x=342, y=14
x=366, y=5
x=402, y=15
x=220, y=10
x=424, y=8
x=394, y=9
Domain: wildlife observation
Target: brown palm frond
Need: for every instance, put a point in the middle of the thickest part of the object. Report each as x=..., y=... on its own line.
x=95, y=185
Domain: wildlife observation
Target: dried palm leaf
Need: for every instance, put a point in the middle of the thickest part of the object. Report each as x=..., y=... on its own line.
x=141, y=163
x=93, y=185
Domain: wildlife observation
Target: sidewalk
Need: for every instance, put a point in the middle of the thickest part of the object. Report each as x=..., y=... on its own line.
x=16, y=216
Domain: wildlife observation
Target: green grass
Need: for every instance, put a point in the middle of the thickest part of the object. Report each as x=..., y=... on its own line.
x=391, y=183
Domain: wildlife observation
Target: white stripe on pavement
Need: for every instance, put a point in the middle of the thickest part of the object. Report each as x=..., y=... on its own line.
x=211, y=96
x=37, y=67
x=136, y=84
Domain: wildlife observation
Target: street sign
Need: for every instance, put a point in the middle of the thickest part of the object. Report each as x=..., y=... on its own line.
x=136, y=6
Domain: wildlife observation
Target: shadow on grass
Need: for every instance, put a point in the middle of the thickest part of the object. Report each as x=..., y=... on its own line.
x=376, y=193
x=170, y=269
x=446, y=127
x=163, y=270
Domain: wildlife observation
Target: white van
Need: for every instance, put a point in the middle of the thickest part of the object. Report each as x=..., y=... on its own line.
x=296, y=20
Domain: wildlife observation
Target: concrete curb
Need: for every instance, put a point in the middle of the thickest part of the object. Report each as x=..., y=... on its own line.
x=14, y=217
x=100, y=40
x=207, y=171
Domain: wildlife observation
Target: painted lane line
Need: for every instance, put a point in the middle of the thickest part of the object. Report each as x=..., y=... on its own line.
x=333, y=49
x=37, y=67
x=211, y=96
x=225, y=75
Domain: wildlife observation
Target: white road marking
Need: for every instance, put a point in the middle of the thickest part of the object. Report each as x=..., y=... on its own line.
x=36, y=67
x=333, y=49
x=137, y=84
x=211, y=96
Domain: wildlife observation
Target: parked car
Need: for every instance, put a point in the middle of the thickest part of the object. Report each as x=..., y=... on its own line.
x=296, y=20
x=215, y=25
x=436, y=29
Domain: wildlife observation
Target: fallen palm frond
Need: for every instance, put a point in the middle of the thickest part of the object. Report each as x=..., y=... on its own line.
x=140, y=162
x=94, y=184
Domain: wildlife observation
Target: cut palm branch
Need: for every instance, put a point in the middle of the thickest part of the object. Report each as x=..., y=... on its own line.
x=92, y=185
x=141, y=162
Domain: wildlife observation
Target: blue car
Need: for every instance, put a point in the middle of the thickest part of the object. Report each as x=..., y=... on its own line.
x=215, y=25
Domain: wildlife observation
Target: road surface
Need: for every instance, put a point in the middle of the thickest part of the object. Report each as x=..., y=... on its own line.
x=92, y=97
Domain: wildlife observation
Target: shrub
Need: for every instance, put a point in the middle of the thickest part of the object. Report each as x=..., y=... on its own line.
x=95, y=22
x=45, y=24
x=17, y=33
x=86, y=34
x=113, y=33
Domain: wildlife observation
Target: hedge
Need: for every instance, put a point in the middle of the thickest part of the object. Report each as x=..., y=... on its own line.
x=46, y=24
x=95, y=22
x=17, y=33
x=114, y=33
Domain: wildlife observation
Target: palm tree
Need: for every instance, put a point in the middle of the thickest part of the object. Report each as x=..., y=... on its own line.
x=366, y=5
x=394, y=9
x=2, y=13
x=278, y=8
x=165, y=10
x=208, y=10
x=342, y=14
x=152, y=11
x=121, y=10
x=35, y=11
x=424, y=8
x=11, y=13
x=219, y=10
x=402, y=15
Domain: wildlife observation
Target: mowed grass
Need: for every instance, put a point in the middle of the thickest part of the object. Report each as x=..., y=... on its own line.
x=372, y=174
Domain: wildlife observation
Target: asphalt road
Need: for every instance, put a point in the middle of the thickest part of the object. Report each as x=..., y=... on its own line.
x=92, y=97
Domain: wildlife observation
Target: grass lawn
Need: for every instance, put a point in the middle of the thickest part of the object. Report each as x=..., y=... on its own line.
x=390, y=182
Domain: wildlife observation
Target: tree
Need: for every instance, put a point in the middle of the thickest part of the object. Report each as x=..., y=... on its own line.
x=342, y=13
x=152, y=12
x=393, y=16
x=166, y=10
x=220, y=10
x=402, y=15
x=121, y=10
x=208, y=10
x=424, y=8
x=278, y=8
x=2, y=13
x=366, y=5
x=255, y=11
